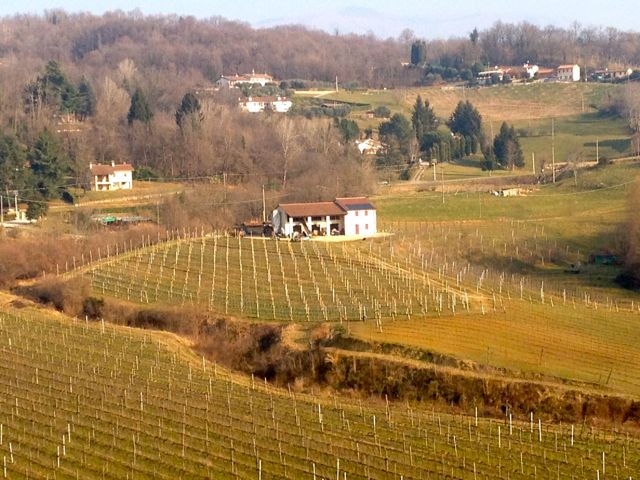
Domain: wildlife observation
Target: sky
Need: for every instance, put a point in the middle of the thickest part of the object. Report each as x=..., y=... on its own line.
x=385, y=18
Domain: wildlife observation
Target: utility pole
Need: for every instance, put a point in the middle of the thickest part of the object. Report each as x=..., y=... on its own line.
x=1, y=211
x=435, y=178
x=264, y=206
x=553, y=150
x=16, y=204
x=597, y=151
x=336, y=83
x=533, y=162
x=442, y=179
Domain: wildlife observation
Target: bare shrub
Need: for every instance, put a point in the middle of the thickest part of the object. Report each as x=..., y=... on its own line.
x=64, y=295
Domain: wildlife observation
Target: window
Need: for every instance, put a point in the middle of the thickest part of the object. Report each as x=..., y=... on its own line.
x=356, y=213
x=366, y=226
x=366, y=212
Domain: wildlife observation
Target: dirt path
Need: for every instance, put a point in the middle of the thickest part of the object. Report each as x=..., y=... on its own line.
x=559, y=384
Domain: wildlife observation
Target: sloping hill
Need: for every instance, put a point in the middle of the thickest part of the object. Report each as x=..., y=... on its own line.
x=87, y=400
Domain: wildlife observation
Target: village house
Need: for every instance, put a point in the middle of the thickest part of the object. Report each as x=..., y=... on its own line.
x=486, y=77
x=260, y=104
x=234, y=81
x=344, y=216
x=105, y=178
x=530, y=70
x=612, y=75
x=368, y=146
x=568, y=73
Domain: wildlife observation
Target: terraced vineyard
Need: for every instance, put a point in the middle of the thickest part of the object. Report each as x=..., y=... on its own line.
x=272, y=280
x=92, y=400
x=417, y=288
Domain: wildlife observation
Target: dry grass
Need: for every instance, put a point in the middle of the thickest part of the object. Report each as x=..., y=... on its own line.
x=599, y=347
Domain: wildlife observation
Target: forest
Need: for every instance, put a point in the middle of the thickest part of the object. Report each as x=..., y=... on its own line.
x=79, y=88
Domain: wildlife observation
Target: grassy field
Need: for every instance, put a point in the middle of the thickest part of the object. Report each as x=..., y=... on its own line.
x=530, y=108
x=89, y=400
x=501, y=103
x=143, y=193
x=577, y=138
x=585, y=216
x=578, y=343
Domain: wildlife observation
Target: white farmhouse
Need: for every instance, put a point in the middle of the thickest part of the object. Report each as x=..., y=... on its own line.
x=530, y=70
x=106, y=178
x=260, y=104
x=568, y=73
x=353, y=216
x=361, y=216
x=233, y=81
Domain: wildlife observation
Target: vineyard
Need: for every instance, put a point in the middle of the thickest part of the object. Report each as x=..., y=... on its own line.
x=273, y=280
x=93, y=400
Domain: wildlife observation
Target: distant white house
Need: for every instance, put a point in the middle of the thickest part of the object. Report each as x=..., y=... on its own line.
x=260, y=104
x=486, y=77
x=106, y=178
x=568, y=73
x=368, y=146
x=530, y=70
x=235, y=80
x=344, y=216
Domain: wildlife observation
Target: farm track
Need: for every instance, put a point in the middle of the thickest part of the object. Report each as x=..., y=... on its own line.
x=557, y=384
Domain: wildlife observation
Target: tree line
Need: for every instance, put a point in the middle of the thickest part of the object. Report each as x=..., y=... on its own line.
x=199, y=51
x=461, y=135
x=461, y=57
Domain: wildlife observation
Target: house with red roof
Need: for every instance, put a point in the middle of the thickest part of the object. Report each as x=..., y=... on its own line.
x=348, y=216
x=568, y=73
x=105, y=178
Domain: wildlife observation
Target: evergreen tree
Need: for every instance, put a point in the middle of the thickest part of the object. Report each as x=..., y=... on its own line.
x=397, y=131
x=507, y=149
x=37, y=209
x=86, y=99
x=348, y=128
x=423, y=119
x=139, y=109
x=418, y=52
x=53, y=88
x=49, y=164
x=189, y=109
x=13, y=174
x=466, y=120
x=473, y=36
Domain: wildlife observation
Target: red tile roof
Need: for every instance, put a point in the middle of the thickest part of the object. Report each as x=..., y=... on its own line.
x=123, y=167
x=317, y=209
x=355, y=203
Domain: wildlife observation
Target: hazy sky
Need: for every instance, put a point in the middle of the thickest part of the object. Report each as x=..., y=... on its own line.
x=427, y=18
